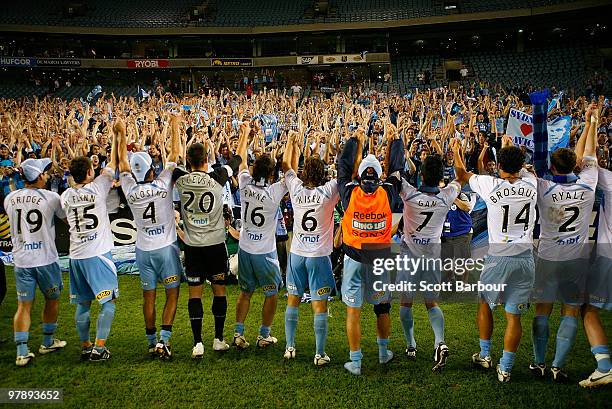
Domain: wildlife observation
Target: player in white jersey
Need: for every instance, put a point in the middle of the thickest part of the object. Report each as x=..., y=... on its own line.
x=425, y=211
x=201, y=191
x=257, y=257
x=93, y=275
x=157, y=252
x=313, y=201
x=509, y=268
x=31, y=213
x=565, y=202
x=599, y=282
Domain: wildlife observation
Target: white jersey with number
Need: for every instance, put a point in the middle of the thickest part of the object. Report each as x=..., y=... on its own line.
x=313, y=216
x=152, y=209
x=565, y=214
x=31, y=215
x=85, y=208
x=510, y=211
x=425, y=213
x=202, y=205
x=604, y=229
x=258, y=207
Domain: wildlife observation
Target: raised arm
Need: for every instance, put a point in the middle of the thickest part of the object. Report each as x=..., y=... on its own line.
x=461, y=174
x=288, y=154
x=590, y=148
x=175, y=141
x=243, y=142
x=581, y=144
x=122, y=157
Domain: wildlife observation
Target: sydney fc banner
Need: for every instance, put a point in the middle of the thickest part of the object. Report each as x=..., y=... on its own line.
x=520, y=128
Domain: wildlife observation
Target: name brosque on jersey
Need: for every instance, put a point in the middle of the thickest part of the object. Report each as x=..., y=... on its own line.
x=513, y=191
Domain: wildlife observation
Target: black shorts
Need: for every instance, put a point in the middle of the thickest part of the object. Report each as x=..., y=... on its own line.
x=206, y=263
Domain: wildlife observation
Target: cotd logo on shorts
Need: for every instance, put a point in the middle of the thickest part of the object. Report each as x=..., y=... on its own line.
x=103, y=294
x=323, y=291
x=218, y=277
x=171, y=279
x=269, y=287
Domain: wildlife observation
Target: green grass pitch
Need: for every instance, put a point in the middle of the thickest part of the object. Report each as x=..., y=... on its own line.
x=261, y=378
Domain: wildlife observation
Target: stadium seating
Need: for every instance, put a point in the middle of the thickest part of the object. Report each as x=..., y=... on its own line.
x=562, y=67
x=20, y=91
x=76, y=92
x=162, y=13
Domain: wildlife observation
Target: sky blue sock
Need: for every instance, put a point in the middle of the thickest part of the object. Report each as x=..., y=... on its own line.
x=239, y=328
x=355, y=357
x=82, y=321
x=539, y=338
x=320, y=330
x=485, y=348
x=164, y=336
x=602, y=355
x=21, y=339
x=264, y=331
x=105, y=319
x=566, y=335
x=408, y=325
x=436, y=319
x=291, y=321
x=151, y=334
x=48, y=331
x=507, y=361
x=382, y=347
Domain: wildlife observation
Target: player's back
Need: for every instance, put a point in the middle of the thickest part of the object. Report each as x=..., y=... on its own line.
x=31, y=215
x=313, y=216
x=565, y=215
x=424, y=213
x=87, y=215
x=201, y=196
x=510, y=212
x=152, y=210
x=604, y=229
x=259, y=205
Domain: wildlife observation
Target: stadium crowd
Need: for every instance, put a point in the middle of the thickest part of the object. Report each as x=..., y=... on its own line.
x=434, y=143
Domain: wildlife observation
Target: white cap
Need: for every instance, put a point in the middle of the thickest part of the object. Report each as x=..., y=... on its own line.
x=32, y=168
x=140, y=162
x=370, y=161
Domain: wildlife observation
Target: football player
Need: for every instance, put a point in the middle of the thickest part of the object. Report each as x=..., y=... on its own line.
x=201, y=192
x=565, y=203
x=425, y=211
x=31, y=214
x=313, y=201
x=599, y=282
x=93, y=275
x=157, y=252
x=257, y=256
x=511, y=201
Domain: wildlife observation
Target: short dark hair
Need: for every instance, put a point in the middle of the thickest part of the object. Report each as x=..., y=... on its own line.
x=511, y=159
x=79, y=167
x=432, y=170
x=313, y=173
x=263, y=168
x=196, y=154
x=564, y=160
